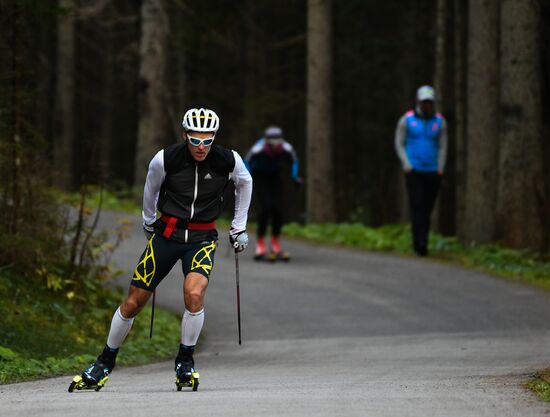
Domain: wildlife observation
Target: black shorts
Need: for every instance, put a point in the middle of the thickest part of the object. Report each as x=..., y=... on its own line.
x=161, y=255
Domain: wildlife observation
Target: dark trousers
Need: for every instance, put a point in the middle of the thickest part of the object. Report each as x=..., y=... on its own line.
x=268, y=189
x=422, y=188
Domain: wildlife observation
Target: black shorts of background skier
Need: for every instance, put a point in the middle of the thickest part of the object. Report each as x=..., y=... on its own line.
x=421, y=144
x=266, y=161
x=185, y=183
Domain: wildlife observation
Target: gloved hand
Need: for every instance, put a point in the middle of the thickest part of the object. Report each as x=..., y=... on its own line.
x=148, y=230
x=239, y=240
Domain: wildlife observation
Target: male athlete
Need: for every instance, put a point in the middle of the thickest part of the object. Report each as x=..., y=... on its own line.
x=265, y=161
x=186, y=184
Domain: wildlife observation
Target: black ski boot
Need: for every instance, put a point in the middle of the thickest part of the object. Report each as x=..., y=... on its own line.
x=186, y=376
x=97, y=374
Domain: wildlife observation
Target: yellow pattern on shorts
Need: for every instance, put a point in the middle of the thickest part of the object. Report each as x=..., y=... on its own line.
x=146, y=277
x=202, y=258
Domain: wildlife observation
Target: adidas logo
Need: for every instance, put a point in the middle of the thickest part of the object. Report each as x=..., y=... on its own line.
x=208, y=176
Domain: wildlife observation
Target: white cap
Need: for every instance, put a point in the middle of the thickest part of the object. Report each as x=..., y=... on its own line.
x=425, y=93
x=273, y=132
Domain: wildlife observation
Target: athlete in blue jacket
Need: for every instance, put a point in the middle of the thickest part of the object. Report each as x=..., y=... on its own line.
x=421, y=144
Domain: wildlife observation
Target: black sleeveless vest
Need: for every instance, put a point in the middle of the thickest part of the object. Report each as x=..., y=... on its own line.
x=194, y=191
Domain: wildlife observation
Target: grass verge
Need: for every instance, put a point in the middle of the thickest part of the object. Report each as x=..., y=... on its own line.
x=46, y=334
x=138, y=349
x=540, y=385
x=521, y=265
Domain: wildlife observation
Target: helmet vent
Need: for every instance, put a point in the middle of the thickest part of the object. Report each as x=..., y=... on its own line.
x=201, y=120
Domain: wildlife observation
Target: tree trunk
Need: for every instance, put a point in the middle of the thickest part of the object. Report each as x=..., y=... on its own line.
x=65, y=96
x=152, y=119
x=520, y=191
x=441, y=204
x=460, y=110
x=14, y=200
x=103, y=146
x=182, y=99
x=440, y=61
x=320, y=169
x=406, y=98
x=483, y=121
x=44, y=105
x=250, y=111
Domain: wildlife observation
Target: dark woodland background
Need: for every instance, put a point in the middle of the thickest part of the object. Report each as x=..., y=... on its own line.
x=89, y=90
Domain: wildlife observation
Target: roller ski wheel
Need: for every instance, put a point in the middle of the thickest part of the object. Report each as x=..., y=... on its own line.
x=259, y=257
x=188, y=381
x=279, y=256
x=78, y=384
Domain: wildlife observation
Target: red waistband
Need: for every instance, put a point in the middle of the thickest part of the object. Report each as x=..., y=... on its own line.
x=172, y=221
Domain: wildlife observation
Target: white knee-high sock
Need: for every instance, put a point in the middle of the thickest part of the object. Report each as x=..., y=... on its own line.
x=120, y=326
x=191, y=326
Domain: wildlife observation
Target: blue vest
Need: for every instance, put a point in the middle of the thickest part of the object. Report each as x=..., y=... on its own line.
x=422, y=141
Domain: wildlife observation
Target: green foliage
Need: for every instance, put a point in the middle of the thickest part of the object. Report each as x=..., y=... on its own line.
x=20, y=368
x=540, y=385
x=32, y=231
x=121, y=200
x=38, y=321
x=56, y=305
x=517, y=264
x=385, y=238
x=139, y=348
x=47, y=336
x=54, y=273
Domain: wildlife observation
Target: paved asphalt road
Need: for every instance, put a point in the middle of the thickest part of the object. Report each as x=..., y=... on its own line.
x=333, y=333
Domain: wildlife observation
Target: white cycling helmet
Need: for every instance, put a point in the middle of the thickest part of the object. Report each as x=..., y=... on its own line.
x=200, y=120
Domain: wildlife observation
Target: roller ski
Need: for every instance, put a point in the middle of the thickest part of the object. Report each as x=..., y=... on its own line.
x=260, y=254
x=93, y=378
x=277, y=254
x=186, y=376
x=97, y=374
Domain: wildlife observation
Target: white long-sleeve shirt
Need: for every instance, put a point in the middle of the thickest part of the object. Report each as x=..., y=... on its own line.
x=240, y=177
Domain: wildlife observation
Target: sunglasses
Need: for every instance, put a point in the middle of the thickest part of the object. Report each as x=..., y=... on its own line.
x=198, y=141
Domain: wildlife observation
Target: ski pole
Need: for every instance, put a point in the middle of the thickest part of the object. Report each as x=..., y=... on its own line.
x=238, y=293
x=152, y=315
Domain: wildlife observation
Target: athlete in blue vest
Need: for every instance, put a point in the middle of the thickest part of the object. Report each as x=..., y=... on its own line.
x=421, y=144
